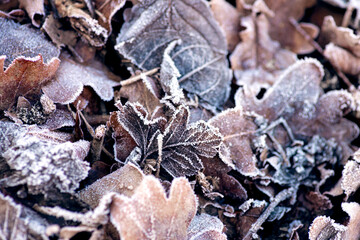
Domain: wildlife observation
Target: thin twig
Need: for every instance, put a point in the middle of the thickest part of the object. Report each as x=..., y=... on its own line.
x=321, y=51
x=283, y=195
x=137, y=77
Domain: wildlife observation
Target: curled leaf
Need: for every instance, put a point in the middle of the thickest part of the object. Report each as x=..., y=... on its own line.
x=149, y=214
x=35, y=10
x=323, y=228
x=342, y=59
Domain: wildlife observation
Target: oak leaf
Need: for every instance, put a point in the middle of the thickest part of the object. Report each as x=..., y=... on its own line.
x=204, y=227
x=200, y=58
x=149, y=214
x=24, y=76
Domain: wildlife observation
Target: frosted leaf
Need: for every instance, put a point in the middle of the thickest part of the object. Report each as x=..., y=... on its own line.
x=350, y=177
x=204, y=227
x=9, y=133
x=71, y=78
x=149, y=214
x=200, y=58
x=182, y=144
x=324, y=228
x=237, y=132
x=124, y=180
x=44, y=166
x=342, y=59
x=20, y=40
x=24, y=76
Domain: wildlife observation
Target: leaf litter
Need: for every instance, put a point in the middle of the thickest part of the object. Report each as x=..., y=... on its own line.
x=182, y=119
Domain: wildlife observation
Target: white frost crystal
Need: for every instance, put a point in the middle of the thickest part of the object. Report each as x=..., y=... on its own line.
x=44, y=166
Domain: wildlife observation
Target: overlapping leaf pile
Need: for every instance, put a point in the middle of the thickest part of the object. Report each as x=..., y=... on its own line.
x=179, y=119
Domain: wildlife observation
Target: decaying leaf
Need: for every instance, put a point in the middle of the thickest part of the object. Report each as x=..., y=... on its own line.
x=82, y=22
x=282, y=30
x=342, y=59
x=323, y=228
x=258, y=60
x=45, y=166
x=19, y=222
x=182, y=144
x=108, y=8
x=229, y=20
x=149, y=214
x=200, y=58
x=24, y=76
x=124, y=181
x=20, y=40
x=204, y=227
x=35, y=10
x=237, y=132
x=71, y=77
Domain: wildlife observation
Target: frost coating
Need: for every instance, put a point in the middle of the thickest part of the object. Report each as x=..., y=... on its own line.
x=43, y=166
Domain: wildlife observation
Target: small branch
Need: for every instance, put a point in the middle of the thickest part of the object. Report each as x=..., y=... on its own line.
x=321, y=51
x=283, y=195
x=137, y=77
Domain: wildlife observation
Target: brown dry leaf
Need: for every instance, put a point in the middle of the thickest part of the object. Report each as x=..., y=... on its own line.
x=20, y=40
x=35, y=10
x=107, y=9
x=284, y=32
x=71, y=77
x=124, y=181
x=181, y=143
x=204, y=227
x=342, y=59
x=229, y=20
x=144, y=92
x=258, y=60
x=324, y=228
x=343, y=37
x=353, y=227
x=237, y=132
x=201, y=56
x=24, y=76
x=149, y=214
x=82, y=22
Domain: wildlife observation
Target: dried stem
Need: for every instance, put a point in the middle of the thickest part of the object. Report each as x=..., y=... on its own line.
x=283, y=195
x=137, y=77
x=321, y=51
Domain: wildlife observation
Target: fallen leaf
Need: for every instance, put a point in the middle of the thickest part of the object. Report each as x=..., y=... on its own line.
x=350, y=177
x=204, y=227
x=124, y=181
x=150, y=214
x=24, y=76
x=71, y=78
x=60, y=36
x=82, y=22
x=200, y=58
x=323, y=228
x=237, y=132
x=258, y=60
x=45, y=166
x=342, y=59
x=35, y=10
x=282, y=30
x=108, y=8
x=182, y=144
x=229, y=19
x=353, y=227
x=19, y=222
x=20, y=40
